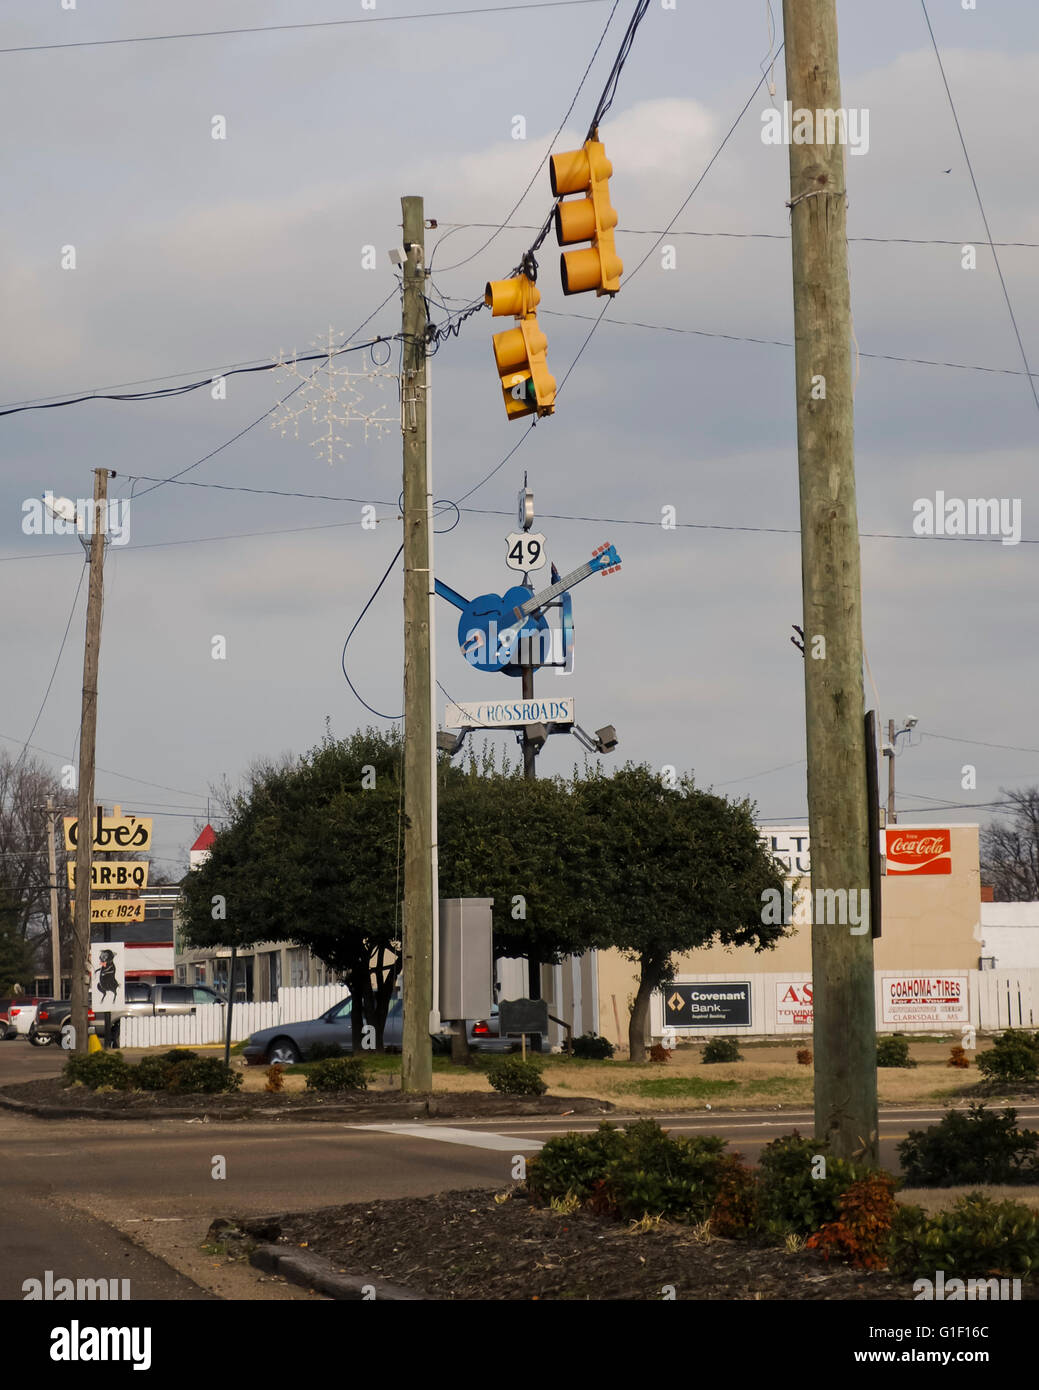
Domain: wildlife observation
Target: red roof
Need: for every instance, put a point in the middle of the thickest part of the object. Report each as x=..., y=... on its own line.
x=205, y=839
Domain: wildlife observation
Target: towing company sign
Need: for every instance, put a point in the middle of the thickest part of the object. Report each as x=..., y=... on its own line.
x=504, y=714
x=920, y=850
x=924, y=998
x=794, y=1002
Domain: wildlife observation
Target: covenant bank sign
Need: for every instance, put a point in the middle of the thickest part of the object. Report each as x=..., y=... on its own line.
x=503, y=714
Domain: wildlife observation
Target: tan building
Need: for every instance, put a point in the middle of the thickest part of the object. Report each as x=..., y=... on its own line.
x=931, y=929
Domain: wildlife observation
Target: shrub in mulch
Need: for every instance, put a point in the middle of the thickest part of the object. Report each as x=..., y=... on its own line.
x=152, y=1073
x=202, y=1076
x=721, y=1050
x=800, y=1185
x=976, y=1238
x=97, y=1069
x=862, y=1232
x=338, y=1074
x=972, y=1146
x=514, y=1076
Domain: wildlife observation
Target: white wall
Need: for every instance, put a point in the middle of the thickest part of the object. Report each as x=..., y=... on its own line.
x=1010, y=932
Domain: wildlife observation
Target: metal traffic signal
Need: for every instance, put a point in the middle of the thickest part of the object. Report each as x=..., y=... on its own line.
x=591, y=218
x=526, y=382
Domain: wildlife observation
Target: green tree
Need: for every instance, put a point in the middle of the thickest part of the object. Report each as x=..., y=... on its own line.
x=16, y=956
x=679, y=869
x=311, y=854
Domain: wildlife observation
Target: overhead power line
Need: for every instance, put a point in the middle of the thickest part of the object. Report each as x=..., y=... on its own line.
x=315, y=24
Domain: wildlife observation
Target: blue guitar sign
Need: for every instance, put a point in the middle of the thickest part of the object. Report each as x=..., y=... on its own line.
x=496, y=631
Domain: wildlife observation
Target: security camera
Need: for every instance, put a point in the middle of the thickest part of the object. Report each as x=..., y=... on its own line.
x=397, y=255
x=911, y=722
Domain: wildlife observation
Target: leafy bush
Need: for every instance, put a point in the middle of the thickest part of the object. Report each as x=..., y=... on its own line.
x=573, y=1163
x=958, y=1057
x=97, y=1069
x=893, y=1051
x=594, y=1047
x=338, y=1074
x=737, y=1208
x=514, y=1076
x=973, y=1146
x=202, y=1076
x=659, y=1054
x=1014, y=1057
x=722, y=1050
x=804, y=1056
x=152, y=1073
x=792, y=1200
x=640, y=1172
x=862, y=1232
x=324, y=1051
x=976, y=1238
x=178, y=1054
x=656, y=1175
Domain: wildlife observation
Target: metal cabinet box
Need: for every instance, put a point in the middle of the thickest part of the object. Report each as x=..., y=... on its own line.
x=466, y=958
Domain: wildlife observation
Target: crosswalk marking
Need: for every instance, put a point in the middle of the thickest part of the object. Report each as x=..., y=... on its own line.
x=476, y=1139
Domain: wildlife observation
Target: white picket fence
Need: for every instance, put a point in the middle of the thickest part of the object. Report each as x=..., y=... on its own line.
x=209, y=1021
x=995, y=999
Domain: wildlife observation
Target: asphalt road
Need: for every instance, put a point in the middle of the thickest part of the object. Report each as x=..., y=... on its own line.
x=75, y=1189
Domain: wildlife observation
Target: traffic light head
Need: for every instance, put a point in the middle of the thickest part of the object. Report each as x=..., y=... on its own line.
x=591, y=218
x=519, y=353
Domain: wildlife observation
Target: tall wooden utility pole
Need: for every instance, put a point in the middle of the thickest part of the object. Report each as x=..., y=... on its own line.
x=842, y=959
x=87, y=737
x=55, y=925
x=417, y=963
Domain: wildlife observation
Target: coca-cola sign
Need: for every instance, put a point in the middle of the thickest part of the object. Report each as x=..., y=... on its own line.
x=919, y=850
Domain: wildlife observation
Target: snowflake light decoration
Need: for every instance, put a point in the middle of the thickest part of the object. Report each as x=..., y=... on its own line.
x=332, y=396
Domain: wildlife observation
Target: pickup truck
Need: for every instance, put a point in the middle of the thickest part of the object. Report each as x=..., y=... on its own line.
x=51, y=1023
x=150, y=1000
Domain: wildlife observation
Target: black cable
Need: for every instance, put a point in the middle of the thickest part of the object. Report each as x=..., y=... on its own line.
x=54, y=672
x=371, y=708
x=317, y=24
x=165, y=392
x=610, y=90
x=260, y=418
x=544, y=160
x=981, y=207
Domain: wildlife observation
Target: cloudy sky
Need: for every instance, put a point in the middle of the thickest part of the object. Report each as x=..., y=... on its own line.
x=194, y=254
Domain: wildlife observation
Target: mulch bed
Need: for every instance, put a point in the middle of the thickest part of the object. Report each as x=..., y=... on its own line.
x=52, y=1092
x=465, y=1245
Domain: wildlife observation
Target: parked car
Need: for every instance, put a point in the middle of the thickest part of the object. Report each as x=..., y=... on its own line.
x=7, y=1028
x=290, y=1042
x=52, y=1023
x=147, y=1001
x=21, y=1013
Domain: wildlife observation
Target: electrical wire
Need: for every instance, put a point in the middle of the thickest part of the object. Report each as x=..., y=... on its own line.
x=316, y=24
x=371, y=708
x=541, y=165
x=124, y=776
x=981, y=207
x=54, y=671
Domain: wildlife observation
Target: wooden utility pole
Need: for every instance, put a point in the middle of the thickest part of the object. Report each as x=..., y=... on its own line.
x=55, y=926
x=87, y=738
x=842, y=959
x=417, y=965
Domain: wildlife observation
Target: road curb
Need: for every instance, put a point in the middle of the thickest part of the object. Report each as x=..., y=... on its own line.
x=312, y=1271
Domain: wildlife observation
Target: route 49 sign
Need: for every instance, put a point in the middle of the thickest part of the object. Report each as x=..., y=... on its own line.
x=525, y=550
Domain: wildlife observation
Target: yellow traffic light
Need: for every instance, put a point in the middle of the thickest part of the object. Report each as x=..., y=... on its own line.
x=591, y=218
x=527, y=386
